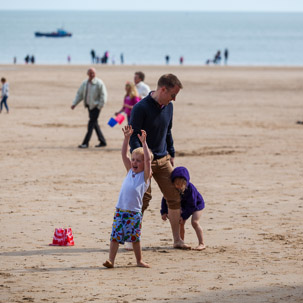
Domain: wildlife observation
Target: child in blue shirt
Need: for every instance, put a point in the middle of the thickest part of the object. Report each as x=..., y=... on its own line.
x=192, y=204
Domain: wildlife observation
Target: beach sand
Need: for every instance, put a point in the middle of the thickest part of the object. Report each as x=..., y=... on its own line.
x=234, y=129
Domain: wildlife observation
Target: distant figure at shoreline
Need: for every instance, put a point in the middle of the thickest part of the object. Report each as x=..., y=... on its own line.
x=122, y=58
x=93, y=56
x=167, y=59
x=225, y=56
x=26, y=59
x=181, y=60
x=216, y=60
x=68, y=59
x=15, y=60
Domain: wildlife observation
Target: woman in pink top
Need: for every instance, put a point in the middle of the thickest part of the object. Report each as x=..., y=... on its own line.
x=130, y=99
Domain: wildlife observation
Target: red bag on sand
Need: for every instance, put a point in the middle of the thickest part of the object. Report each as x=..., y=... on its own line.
x=63, y=237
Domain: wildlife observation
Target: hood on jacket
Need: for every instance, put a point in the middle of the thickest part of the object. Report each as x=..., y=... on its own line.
x=180, y=172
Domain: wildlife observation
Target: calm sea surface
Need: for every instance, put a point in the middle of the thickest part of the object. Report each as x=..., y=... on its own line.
x=147, y=37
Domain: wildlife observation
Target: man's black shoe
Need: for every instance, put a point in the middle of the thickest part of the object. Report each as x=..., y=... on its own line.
x=101, y=145
x=83, y=146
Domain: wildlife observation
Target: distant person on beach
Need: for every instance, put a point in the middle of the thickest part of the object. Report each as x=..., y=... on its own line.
x=121, y=58
x=181, y=60
x=94, y=95
x=68, y=59
x=15, y=60
x=4, y=95
x=27, y=59
x=130, y=99
x=154, y=114
x=192, y=204
x=128, y=215
x=142, y=88
x=32, y=59
x=93, y=56
x=216, y=60
x=167, y=59
x=225, y=56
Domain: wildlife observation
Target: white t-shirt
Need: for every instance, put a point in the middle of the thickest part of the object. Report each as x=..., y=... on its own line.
x=143, y=89
x=132, y=192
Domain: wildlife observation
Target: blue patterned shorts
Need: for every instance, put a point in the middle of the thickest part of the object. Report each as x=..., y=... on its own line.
x=126, y=226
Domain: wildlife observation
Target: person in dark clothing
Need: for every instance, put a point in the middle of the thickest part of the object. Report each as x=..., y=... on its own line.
x=192, y=203
x=154, y=114
x=225, y=56
x=93, y=55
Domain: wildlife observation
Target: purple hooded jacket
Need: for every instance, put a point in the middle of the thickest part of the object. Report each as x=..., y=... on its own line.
x=191, y=199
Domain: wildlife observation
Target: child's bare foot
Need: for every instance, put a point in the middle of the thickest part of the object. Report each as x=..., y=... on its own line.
x=108, y=264
x=143, y=264
x=181, y=245
x=200, y=247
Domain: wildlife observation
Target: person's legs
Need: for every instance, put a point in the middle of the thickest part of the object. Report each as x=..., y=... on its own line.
x=113, y=249
x=138, y=254
x=162, y=169
x=97, y=127
x=90, y=126
x=198, y=229
x=5, y=103
x=182, y=231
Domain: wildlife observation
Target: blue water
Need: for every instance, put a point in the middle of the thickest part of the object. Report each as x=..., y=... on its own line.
x=146, y=37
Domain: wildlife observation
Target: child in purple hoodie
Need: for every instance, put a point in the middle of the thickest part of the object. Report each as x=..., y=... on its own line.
x=192, y=203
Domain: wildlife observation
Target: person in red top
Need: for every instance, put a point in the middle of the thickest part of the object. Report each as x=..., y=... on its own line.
x=130, y=99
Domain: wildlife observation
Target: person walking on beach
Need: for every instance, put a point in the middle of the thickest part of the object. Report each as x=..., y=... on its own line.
x=154, y=114
x=94, y=94
x=128, y=215
x=192, y=204
x=130, y=99
x=142, y=88
x=4, y=95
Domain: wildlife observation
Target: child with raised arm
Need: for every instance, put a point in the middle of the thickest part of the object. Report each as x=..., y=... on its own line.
x=192, y=204
x=128, y=214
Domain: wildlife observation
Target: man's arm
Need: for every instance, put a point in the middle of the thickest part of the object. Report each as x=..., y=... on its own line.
x=79, y=96
x=103, y=95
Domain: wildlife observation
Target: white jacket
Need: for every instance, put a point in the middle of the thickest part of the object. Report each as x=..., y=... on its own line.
x=97, y=94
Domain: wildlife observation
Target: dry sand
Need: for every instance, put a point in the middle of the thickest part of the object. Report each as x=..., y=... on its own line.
x=234, y=128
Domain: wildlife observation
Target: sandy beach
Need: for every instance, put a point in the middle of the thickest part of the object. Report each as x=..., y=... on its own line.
x=234, y=129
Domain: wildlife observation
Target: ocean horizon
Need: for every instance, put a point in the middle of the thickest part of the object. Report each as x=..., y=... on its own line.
x=253, y=39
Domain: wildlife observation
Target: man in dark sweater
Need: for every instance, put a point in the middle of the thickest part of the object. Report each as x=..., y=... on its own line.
x=154, y=114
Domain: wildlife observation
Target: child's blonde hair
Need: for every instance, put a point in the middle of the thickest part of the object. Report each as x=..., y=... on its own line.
x=140, y=151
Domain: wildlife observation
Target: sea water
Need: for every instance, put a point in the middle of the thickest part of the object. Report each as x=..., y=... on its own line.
x=147, y=37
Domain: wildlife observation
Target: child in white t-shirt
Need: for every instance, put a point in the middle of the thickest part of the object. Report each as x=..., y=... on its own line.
x=128, y=214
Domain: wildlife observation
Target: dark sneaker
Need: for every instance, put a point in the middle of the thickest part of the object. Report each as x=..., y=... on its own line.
x=83, y=146
x=101, y=145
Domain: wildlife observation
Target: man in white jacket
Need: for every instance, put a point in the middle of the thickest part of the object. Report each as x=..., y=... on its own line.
x=93, y=92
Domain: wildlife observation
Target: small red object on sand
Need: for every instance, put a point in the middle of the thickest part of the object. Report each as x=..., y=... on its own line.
x=63, y=237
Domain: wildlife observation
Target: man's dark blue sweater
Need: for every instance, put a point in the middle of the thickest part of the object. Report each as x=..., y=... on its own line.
x=157, y=122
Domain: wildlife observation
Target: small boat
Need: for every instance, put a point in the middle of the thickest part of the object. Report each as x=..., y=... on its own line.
x=58, y=34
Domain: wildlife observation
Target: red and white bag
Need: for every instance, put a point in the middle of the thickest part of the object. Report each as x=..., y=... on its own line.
x=63, y=237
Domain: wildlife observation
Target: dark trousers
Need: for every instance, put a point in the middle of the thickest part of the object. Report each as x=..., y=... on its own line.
x=3, y=101
x=93, y=124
